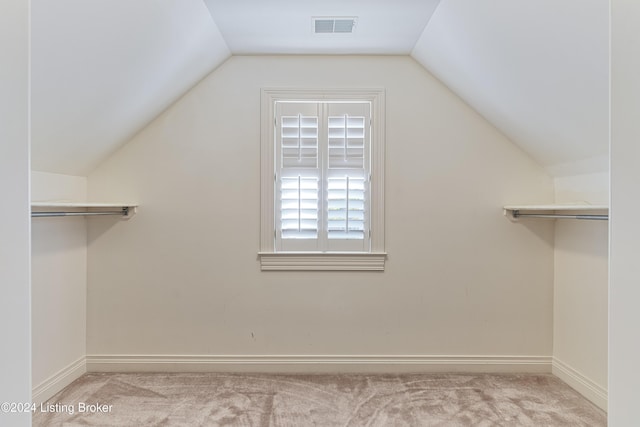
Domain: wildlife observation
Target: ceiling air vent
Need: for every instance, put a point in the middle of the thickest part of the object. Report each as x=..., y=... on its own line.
x=326, y=25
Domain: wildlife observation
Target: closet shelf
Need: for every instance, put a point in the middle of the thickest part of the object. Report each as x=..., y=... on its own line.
x=558, y=211
x=55, y=209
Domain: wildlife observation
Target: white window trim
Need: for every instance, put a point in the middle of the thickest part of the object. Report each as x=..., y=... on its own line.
x=359, y=261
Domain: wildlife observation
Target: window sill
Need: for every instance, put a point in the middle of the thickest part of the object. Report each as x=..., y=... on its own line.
x=344, y=261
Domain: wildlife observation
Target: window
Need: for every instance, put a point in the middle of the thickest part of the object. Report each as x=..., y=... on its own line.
x=322, y=180
x=322, y=176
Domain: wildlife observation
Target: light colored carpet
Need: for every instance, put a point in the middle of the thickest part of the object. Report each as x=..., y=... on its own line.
x=320, y=400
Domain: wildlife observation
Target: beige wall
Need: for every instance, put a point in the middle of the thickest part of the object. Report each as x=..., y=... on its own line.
x=581, y=262
x=59, y=283
x=182, y=276
x=55, y=187
x=624, y=292
x=15, y=356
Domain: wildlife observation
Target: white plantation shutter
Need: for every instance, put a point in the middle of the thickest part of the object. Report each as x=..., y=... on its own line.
x=322, y=171
x=298, y=176
x=347, y=173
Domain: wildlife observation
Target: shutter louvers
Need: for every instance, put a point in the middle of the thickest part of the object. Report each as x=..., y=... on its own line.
x=346, y=141
x=299, y=207
x=299, y=141
x=346, y=208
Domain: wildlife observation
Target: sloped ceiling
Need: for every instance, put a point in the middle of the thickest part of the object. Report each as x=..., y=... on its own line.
x=103, y=69
x=538, y=70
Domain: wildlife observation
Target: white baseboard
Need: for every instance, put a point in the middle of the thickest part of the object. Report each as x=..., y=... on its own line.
x=317, y=363
x=54, y=384
x=582, y=384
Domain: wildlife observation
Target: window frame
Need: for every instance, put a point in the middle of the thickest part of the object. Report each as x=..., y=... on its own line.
x=270, y=259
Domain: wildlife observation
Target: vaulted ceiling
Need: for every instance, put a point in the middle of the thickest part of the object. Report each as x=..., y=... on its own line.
x=102, y=70
x=538, y=70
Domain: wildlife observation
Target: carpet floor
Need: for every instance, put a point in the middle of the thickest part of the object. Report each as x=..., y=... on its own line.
x=208, y=399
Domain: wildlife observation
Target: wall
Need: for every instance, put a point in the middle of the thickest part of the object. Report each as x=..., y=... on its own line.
x=59, y=283
x=15, y=357
x=182, y=278
x=580, y=290
x=624, y=293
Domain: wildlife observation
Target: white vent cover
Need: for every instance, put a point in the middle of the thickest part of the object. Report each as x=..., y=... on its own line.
x=328, y=25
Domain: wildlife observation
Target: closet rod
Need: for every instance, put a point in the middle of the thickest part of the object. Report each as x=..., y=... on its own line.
x=517, y=214
x=123, y=212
